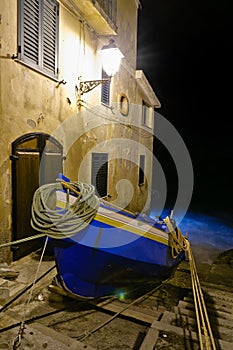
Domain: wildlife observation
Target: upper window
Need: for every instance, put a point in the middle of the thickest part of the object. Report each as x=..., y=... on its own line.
x=109, y=7
x=105, y=91
x=141, y=175
x=146, y=114
x=38, y=34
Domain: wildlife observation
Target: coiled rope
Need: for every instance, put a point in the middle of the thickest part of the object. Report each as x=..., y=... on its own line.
x=62, y=223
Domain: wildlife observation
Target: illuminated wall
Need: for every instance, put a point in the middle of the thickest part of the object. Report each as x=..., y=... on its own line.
x=33, y=102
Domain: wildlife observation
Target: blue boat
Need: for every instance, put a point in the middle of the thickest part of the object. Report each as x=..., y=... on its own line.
x=115, y=252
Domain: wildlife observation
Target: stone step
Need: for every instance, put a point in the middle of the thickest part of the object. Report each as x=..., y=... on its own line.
x=219, y=296
x=218, y=292
x=192, y=315
x=215, y=286
x=184, y=321
x=213, y=303
x=211, y=311
x=215, y=293
x=189, y=339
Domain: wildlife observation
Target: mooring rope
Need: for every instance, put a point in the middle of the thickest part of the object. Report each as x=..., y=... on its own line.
x=180, y=243
x=200, y=307
x=177, y=241
x=17, y=340
x=87, y=334
x=26, y=239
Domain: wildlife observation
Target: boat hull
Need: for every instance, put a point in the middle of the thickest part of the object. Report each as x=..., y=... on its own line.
x=114, y=254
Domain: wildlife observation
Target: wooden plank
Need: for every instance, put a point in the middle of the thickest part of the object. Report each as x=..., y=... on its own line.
x=113, y=306
x=135, y=314
x=150, y=340
x=38, y=336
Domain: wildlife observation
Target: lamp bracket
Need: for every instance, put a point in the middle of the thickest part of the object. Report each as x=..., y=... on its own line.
x=85, y=86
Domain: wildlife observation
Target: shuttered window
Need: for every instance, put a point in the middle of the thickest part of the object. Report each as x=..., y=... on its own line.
x=146, y=114
x=99, y=173
x=110, y=8
x=141, y=176
x=38, y=34
x=105, y=92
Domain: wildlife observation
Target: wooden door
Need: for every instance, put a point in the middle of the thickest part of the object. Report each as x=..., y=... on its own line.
x=36, y=160
x=26, y=182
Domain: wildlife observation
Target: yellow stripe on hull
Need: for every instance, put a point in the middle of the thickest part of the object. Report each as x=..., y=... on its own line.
x=104, y=216
x=130, y=228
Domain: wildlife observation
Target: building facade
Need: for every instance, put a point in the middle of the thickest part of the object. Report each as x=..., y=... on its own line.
x=48, y=50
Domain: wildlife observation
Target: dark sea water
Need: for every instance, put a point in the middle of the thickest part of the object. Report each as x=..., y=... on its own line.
x=208, y=235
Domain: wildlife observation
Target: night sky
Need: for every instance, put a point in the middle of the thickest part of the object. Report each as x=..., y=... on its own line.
x=184, y=49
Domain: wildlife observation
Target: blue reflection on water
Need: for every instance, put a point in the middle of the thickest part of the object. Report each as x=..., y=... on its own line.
x=208, y=235
x=208, y=230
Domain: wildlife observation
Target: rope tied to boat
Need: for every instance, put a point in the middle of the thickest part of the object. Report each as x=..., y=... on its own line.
x=203, y=324
x=64, y=222
x=180, y=243
x=177, y=241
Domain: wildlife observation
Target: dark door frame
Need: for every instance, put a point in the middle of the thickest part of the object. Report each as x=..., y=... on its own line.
x=40, y=147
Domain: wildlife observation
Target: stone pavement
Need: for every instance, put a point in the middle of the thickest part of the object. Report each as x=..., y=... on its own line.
x=14, y=290
x=21, y=274
x=15, y=279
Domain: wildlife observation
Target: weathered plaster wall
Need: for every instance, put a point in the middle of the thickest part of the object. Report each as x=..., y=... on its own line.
x=127, y=30
x=32, y=102
x=29, y=102
x=124, y=141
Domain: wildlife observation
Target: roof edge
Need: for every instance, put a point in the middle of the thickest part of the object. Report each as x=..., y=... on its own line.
x=147, y=89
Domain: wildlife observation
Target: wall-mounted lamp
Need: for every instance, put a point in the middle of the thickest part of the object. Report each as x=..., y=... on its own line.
x=111, y=59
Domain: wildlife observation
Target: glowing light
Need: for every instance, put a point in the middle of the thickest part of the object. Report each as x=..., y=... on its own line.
x=122, y=296
x=111, y=58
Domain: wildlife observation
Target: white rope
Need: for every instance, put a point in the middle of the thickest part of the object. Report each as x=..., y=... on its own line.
x=179, y=243
x=63, y=223
x=17, y=340
x=200, y=307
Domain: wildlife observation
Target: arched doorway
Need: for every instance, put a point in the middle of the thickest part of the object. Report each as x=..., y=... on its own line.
x=36, y=160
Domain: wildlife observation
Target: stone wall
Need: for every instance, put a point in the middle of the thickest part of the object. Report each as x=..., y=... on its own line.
x=32, y=102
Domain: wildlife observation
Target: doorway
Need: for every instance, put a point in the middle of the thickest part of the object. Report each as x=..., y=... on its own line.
x=36, y=160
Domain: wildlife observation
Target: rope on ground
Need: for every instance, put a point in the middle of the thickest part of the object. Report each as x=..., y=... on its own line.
x=180, y=243
x=201, y=312
x=87, y=334
x=17, y=340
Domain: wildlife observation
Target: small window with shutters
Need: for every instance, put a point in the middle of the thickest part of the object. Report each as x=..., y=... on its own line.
x=147, y=115
x=38, y=35
x=141, y=175
x=99, y=173
x=105, y=92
